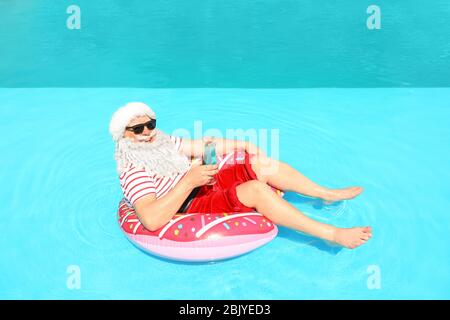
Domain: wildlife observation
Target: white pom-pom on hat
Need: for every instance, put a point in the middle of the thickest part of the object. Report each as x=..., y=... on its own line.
x=122, y=117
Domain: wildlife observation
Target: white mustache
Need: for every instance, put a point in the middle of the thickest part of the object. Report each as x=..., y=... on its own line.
x=141, y=138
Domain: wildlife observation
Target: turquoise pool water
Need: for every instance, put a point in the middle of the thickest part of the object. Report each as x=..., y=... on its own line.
x=352, y=106
x=60, y=193
x=223, y=43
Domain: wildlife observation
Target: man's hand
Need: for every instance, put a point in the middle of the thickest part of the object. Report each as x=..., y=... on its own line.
x=200, y=175
x=208, y=140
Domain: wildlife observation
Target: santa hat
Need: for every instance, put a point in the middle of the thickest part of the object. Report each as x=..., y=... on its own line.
x=122, y=117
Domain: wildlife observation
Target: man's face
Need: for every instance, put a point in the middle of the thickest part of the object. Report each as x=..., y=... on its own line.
x=145, y=136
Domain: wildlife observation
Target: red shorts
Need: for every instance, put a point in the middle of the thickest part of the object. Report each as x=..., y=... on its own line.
x=221, y=196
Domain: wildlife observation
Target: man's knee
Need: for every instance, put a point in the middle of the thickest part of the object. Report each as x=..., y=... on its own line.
x=258, y=187
x=251, y=192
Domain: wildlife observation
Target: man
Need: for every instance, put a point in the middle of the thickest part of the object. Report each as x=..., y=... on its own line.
x=158, y=179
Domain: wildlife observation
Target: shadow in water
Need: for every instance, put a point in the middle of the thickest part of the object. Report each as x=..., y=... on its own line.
x=316, y=203
x=317, y=243
x=297, y=236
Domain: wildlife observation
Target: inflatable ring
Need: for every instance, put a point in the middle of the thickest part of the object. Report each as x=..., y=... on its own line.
x=199, y=236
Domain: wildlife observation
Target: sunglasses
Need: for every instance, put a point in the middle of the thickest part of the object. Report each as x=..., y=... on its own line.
x=139, y=128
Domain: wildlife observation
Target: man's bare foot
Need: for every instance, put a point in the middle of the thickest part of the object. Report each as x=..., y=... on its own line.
x=352, y=237
x=332, y=195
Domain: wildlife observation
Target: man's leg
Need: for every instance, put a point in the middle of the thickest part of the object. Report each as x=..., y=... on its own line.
x=282, y=176
x=259, y=195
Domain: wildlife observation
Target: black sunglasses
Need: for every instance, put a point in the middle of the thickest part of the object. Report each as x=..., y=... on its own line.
x=139, y=128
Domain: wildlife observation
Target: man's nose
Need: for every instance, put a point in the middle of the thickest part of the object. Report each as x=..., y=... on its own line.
x=146, y=131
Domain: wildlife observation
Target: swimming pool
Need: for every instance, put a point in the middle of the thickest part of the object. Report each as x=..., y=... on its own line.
x=60, y=191
x=59, y=205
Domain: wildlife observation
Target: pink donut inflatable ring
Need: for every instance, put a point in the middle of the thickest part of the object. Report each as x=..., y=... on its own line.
x=199, y=237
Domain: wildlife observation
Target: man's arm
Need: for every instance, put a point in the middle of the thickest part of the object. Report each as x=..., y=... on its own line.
x=228, y=145
x=194, y=148
x=154, y=213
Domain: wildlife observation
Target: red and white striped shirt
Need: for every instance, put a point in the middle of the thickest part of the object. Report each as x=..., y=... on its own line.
x=137, y=183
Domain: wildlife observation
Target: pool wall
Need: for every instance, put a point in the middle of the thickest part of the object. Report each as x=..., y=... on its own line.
x=227, y=44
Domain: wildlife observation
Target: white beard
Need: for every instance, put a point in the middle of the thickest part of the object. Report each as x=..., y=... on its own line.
x=158, y=157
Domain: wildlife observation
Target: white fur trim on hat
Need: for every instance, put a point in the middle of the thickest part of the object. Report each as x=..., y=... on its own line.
x=122, y=117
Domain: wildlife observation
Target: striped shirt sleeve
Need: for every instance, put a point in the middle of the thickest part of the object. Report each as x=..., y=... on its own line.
x=136, y=184
x=177, y=141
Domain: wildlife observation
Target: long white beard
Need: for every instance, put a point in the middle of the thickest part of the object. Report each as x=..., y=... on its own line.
x=158, y=157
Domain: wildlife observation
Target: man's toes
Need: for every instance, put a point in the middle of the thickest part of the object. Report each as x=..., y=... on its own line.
x=356, y=243
x=356, y=191
x=360, y=242
x=365, y=237
x=365, y=234
x=367, y=229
